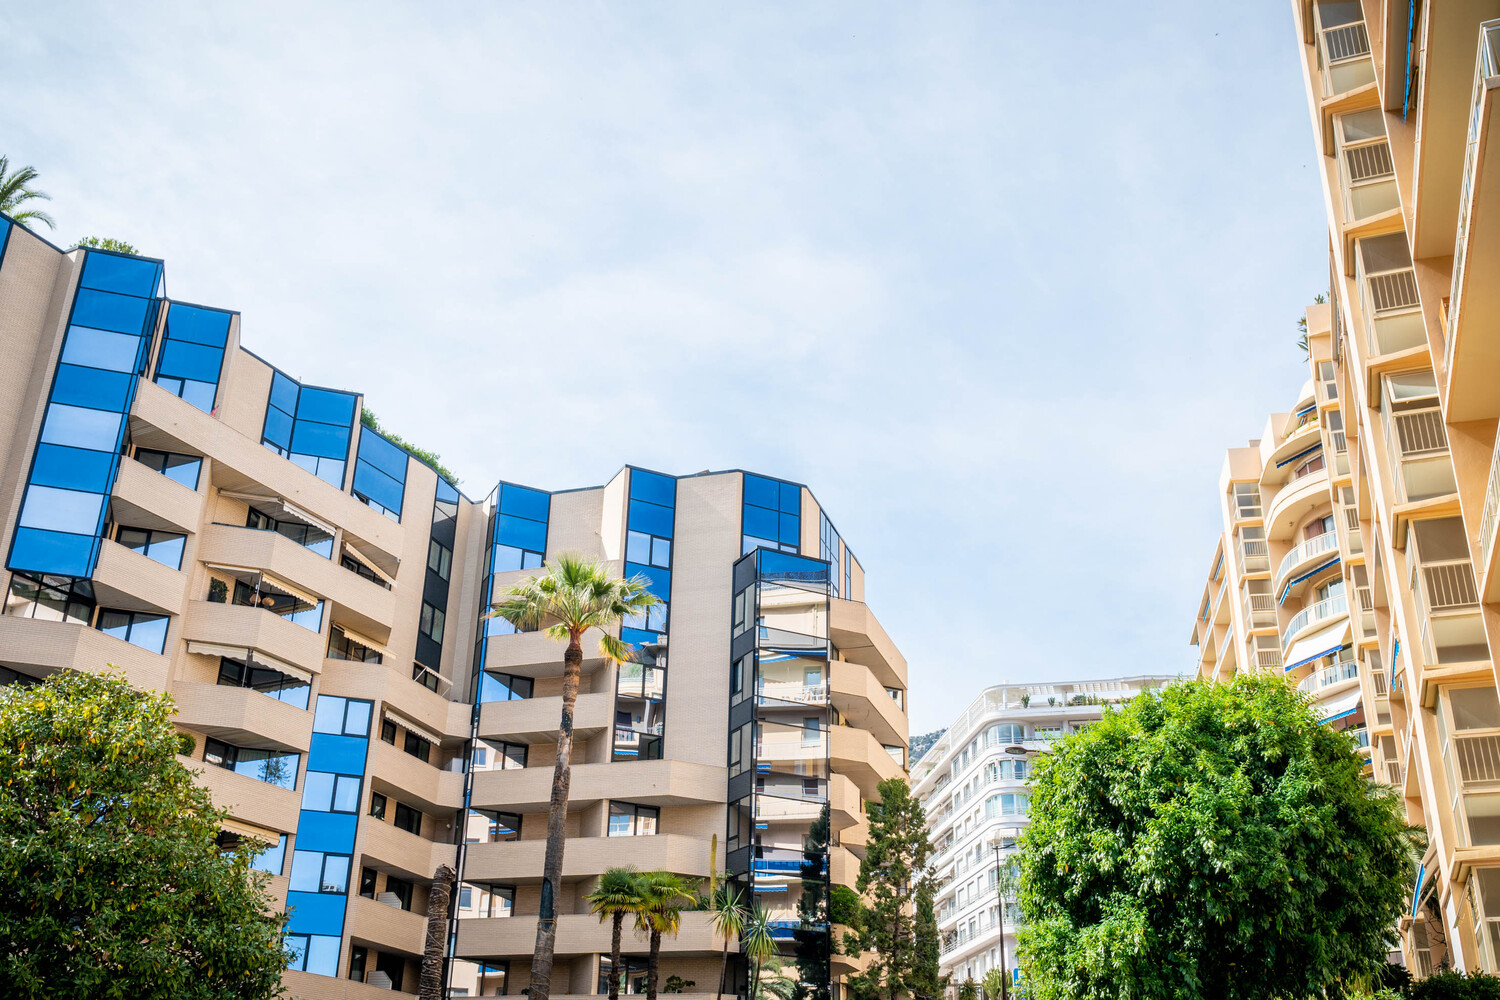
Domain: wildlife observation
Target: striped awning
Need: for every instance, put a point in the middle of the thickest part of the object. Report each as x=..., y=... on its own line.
x=1319, y=644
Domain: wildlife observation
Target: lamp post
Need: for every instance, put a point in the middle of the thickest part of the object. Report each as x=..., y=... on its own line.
x=996, y=842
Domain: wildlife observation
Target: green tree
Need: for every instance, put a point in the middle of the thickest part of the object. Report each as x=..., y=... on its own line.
x=575, y=595
x=927, y=979
x=968, y=989
x=15, y=191
x=112, y=883
x=758, y=945
x=617, y=894
x=893, y=872
x=773, y=983
x=105, y=243
x=1208, y=840
x=662, y=897
x=993, y=983
x=813, y=936
x=727, y=914
x=1445, y=984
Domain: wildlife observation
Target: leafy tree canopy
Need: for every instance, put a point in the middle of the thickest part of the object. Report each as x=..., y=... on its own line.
x=111, y=880
x=368, y=418
x=1208, y=840
x=105, y=243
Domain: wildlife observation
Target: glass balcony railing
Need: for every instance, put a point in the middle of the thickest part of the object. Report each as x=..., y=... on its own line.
x=1313, y=547
x=1314, y=615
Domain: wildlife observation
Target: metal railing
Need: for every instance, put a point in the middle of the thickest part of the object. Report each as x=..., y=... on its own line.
x=1486, y=64
x=1491, y=515
x=1393, y=775
x=1420, y=432
x=1345, y=52
x=1320, y=612
x=801, y=694
x=1329, y=676
x=1312, y=547
x=1449, y=586
x=1260, y=610
x=1253, y=556
x=1477, y=758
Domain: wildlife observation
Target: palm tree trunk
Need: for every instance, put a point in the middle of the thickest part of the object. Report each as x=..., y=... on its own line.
x=430, y=986
x=754, y=980
x=614, y=956
x=557, y=814
x=723, y=967
x=653, y=962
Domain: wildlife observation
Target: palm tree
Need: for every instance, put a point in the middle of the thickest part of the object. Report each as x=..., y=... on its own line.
x=14, y=193
x=574, y=596
x=618, y=893
x=968, y=990
x=993, y=983
x=775, y=984
x=728, y=918
x=662, y=896
x=430, y=985
x=757, y=943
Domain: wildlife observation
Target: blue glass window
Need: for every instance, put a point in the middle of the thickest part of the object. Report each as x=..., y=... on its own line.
x=53, y=509
x=118, y=352
x=72, y=468
x=135, y=627
x=310, y=426
x=80, y=427
x=109, y=311
x=380, y=473
x=648, y=549
x=118, y=273
x=182, y=469
x=193, y=353
x=92, y=387
x=771, y=514
x=53, y=552
x=272, y=858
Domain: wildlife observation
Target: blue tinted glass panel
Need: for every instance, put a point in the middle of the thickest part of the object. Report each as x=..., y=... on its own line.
x=184, y=360
x=200, y=394
x=382, y=454
x=790, y=528
x=446, y=492
x=186, y=473
x=324, y=440
x=81, y=428
x=330, y=471
x=761, y=523
x=506, y=559
x=319, y=831
x=371, y=482
x=659, y=579
x=271, y=859
x=201, y=326
x=51, y=552
x=761, y=491
x=520, y=532
x=130, y=275
x=328, y=716
x=101, y=349
x=652, y=487
x=278, y=427
x=72, y=468
x=774, y=565
x=61, y=510
x=315, y=912
x=344, y=754
x=636, y=636
x=91, y=387
x=326, y=406
x=523, y=502
x=791, y=499
x=107, y=311
x=323, y=954
x=651, y=518
x=283, y=393
x=151, y=633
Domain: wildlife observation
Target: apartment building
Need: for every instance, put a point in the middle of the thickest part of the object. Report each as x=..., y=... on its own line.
x=1405, y=364
x=311, y=596
x=972, y=784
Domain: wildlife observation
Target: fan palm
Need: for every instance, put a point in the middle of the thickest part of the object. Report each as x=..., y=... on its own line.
x=662, y=896
x=757, y=943
x=14, y=193
x=968, y=990
x=618, y=893
x=574, y=596
x=775, y=984
x=728, y=918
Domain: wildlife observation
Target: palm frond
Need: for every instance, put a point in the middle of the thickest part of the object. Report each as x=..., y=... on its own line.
x=572, y=596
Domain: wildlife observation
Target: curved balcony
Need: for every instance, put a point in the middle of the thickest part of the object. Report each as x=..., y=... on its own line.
x=253, y=628
x=645, y=782
x=1329, y=679
x=535, y=720
x=241, y=716
x=519, y=862
x=1303, y=557
x=1317, y=614
x=577, y=934
x=1294, y=501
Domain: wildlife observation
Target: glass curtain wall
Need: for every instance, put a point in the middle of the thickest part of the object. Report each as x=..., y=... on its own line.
x=779, y=719
x=640, y=694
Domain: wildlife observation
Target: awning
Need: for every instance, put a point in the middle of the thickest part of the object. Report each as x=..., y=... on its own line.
x=416, y=727
x=250, y=830
x=1287, y=587
x=1320, y=643
x=363, y=640
x=1416, y=893
x=1339, y=708
x=261, y=579
x=278, y=507
x=1305, y=451
x=368, y=563
x=251, y=656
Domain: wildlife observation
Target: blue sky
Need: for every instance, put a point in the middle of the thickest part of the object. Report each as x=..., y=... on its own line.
x=999, y=281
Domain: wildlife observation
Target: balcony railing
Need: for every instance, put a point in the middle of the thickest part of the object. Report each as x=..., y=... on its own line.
x=1311, y=548
x=1391, y=307
x=1260, y=610
x=1253, y=556
x=1478, y=758
x=1329, y=676
x=1491, y=508
x=1320, y=612
x=1393, y=775
x=1487, y=64
x=1344, y=52
x=801, y=694
x=1449, y=586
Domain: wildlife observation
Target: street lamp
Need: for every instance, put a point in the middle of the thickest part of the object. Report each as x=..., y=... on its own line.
x=997, y=842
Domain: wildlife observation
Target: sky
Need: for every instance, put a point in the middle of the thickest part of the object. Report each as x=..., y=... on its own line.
x=999, y=281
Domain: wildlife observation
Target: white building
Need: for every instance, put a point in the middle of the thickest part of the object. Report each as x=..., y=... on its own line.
x=972, y=783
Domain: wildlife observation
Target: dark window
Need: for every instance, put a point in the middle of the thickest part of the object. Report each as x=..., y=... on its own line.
x=271, y=766
x=341, y=647
x=432, y=622
x=357, y=956
x=377, y=805
x=164, y=547
x=409, y=819
x=135, y=627
x=358, y=568
x=388, y=731
x=57, y=599
x=304, y=535
x=401, y=888
x=418, y=747
x=393, y=964
x=293, y=609
x=275, y=684
x=367, y=883
x=426, y=676
x=178, y=468
x=439, y=558
x=629, y=820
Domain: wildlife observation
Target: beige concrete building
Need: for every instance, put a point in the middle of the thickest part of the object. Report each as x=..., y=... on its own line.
x=973, y=782
x=311, y=596
x=1359, y=529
